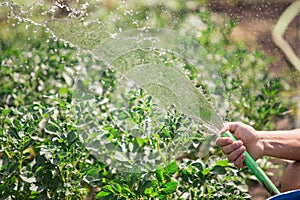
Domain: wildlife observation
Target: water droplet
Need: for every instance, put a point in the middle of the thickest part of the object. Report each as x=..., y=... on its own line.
x=128, y=12
x=78, y=52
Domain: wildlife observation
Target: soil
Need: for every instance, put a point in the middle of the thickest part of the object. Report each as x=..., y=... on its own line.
x=255, y=22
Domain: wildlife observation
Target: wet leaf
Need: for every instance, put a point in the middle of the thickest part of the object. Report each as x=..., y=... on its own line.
x=160, y=173
x=169, y=187
x=102, y=194
x=171, y=168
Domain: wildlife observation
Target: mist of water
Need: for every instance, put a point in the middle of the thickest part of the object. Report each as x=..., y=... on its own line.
x=139, y=53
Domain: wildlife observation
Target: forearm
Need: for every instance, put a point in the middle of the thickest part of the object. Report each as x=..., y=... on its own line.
x=281, y=144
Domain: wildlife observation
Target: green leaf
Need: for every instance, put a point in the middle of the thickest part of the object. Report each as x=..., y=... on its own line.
x=166, y=133
x=102, y=194
x=120, y=157
x=219, y=170
x=170, y=187
x=126, y=191
x=162, y=196
x=63, y=91
x=71, y=137
x=51, y=129
x=92, y=172
x=160, y=173
x=205, y=171
x=109, y=188
x=171, y=168
x=88, y=97
x=118, y=187
x=17, y=124
x=222, y=163
x=148, y=191
x=198, y=165
x=144, y=186
x=4, y=112
x=141, y=141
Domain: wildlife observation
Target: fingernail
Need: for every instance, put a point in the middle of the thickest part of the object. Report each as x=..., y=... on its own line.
x=228, y=140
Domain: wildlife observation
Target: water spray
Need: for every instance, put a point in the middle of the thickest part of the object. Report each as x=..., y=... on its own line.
x=167, y=84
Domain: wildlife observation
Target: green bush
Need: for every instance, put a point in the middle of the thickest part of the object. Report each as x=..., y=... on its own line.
x=45, y=124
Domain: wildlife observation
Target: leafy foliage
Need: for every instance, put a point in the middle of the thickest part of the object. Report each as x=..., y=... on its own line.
x=252, y=93
x=44, y=124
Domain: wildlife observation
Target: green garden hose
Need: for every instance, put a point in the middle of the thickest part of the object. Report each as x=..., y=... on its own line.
x=257, y=171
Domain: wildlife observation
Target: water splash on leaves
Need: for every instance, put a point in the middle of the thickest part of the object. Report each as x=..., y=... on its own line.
x=154, y=59
x=167, y=84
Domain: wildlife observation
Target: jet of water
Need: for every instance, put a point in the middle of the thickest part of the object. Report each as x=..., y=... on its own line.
x=139, y=56
x=168, y=84
x=125, y=52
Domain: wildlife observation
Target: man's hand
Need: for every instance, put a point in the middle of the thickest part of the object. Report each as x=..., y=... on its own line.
x=247, y=138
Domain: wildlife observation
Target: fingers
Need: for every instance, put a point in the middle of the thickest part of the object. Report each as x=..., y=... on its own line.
x=239, y=162
x=231, y=126
x=232, y=147
x=224, y=128
x=234, y=155
x=223, y=141
x=233, y=150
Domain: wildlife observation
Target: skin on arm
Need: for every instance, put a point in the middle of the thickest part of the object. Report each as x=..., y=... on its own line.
x=279, y=144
